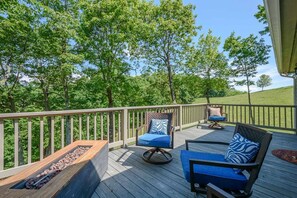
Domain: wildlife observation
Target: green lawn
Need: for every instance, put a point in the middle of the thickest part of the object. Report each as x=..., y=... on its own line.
x=279, y=96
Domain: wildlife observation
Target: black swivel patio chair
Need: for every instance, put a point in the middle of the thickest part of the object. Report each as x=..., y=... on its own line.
x=216, y=115
x=234, y=172
x=159, y=134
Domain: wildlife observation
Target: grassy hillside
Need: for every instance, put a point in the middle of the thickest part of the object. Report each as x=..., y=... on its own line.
x=279, y=96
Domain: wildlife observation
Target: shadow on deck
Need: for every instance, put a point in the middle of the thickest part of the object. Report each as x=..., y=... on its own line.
x=129, y=176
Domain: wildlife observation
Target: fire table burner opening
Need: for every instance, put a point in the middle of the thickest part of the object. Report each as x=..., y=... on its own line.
x=55, y=168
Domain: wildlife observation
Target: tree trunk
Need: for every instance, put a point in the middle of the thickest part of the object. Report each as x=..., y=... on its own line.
x=249, y=100
x=46, y=107
x=170, y=80
x=67, y=104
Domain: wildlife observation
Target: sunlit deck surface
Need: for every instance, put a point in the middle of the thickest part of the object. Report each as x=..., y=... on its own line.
x=129, y=176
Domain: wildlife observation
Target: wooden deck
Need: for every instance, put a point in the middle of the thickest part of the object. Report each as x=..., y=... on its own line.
x=129, y=176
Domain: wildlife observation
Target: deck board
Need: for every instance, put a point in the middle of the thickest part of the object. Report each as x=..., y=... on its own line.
x=129, y=176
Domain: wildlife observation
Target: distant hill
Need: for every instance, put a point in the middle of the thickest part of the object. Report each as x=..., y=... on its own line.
x=279, y=96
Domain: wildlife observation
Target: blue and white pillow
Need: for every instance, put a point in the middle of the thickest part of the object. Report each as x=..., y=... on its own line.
x=241, y=150
x=159, y=126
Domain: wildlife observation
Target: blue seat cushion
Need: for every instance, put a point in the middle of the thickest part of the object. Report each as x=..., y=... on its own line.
x=154, y=140
x=225, y=178
x=216, y=118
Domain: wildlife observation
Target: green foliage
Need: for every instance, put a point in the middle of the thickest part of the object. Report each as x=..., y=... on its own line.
x=170, y=31
x=264, y=81
x=246, y=54
x=209, y=64
x=262, y=18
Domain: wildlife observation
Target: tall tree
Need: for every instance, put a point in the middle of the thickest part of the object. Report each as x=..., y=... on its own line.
x=264, y=81
x=209, y=64
x=172, y=27
x=246, y=55
x=108, y=42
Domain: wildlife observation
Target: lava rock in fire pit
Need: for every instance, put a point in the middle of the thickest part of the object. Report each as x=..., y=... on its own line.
x=42, y=178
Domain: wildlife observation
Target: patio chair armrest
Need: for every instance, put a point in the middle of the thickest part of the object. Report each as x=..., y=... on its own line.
x=171, y=133
x=204, y=142
x=137, y=130
x=247, y=166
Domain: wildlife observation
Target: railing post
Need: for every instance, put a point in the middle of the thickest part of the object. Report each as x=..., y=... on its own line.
x=124, y=124
x=180, y=117
x=295, y=103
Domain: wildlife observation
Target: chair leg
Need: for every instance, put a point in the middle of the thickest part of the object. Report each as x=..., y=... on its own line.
x=163, y=158
x=215, y=125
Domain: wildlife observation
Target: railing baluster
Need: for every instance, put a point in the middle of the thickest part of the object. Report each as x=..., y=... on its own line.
x=62, y=131
x=258, y=115
x=268, y=116
x=113, y=127
x=133, y=123
x=292, y=121
x=79, y=126
x=263, y=119
x=119, y=123
x=71, y=129
x=279, y=116
x=101, y=124
x=274, y=116
x=88, y=126
x=29, y=140
x=16, y=142
x=95, y=126
x=285, y=109
x=41, y=138
x=52, y=134
x=107, y=120
x=1, y=144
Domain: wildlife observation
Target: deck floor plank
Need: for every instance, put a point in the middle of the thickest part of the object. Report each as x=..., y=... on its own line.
x=129, y=176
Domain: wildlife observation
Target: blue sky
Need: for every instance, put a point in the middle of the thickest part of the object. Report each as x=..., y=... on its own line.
x=225, y=16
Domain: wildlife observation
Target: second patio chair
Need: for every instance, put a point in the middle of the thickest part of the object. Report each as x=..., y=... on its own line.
x=234, y=172
x=215, y=115
x=159, y=134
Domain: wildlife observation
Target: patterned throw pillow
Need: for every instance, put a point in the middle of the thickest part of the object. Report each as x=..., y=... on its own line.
x=214, y=111
x=241, y=150
x=159, y=126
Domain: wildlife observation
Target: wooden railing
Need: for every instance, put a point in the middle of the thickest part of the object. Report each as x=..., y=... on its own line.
x=29, y=137
x=269, y=116
x=39, y=134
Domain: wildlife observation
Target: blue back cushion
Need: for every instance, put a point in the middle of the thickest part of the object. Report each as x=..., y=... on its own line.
x=159, y=126
x=241, y=150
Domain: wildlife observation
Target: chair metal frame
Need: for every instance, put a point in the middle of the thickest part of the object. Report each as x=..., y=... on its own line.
x=147, y=155
x=250, y=132
x=216, y=192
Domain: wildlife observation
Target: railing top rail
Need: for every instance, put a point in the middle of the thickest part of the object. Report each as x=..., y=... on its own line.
x=73, y=112
x=254, y=105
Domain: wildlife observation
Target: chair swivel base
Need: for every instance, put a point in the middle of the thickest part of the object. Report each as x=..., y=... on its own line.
x=157, y=156
x=215, y=125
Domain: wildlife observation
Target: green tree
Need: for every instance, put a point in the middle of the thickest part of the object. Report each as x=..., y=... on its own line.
x=246, y=54
x=261, y=16
x=264, y=81
x=209, y=64
x=170, y=31
x=108, y=42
